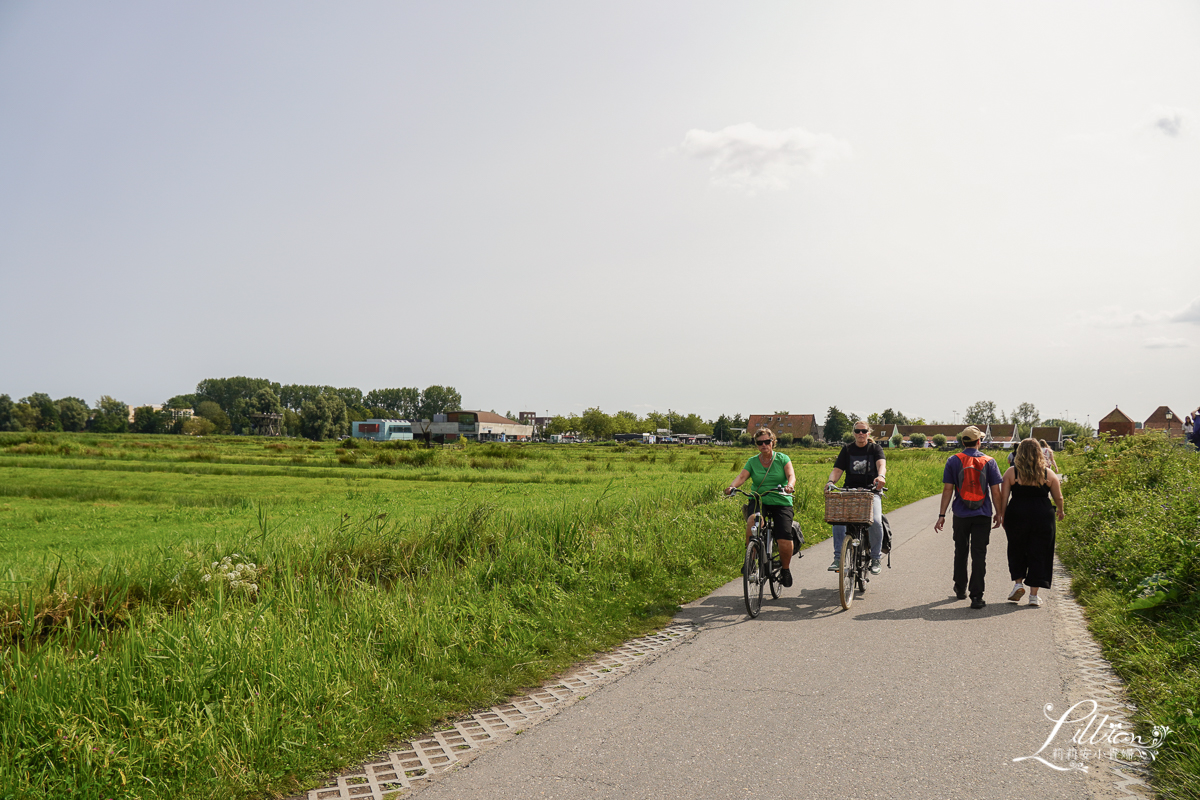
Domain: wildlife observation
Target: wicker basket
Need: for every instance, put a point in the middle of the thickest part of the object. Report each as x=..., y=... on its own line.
x=846, y=507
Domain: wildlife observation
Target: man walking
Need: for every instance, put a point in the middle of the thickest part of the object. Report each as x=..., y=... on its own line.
x=974, y=479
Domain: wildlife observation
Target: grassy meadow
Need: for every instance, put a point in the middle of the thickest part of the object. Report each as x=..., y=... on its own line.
x=231, y=617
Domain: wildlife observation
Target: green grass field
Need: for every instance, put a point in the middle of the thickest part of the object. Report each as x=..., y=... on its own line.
x=231, y=617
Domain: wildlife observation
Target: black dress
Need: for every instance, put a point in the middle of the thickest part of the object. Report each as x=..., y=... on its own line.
x=1029, y=524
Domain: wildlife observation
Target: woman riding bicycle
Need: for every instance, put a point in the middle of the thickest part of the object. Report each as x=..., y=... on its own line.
x=770, y=469
x=864, y=466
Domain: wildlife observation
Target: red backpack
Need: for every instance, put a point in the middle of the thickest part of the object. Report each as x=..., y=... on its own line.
x=972, y=486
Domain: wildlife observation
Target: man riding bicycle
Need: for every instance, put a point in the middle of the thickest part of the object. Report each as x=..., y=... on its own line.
x=770, y=469
x=864, y=466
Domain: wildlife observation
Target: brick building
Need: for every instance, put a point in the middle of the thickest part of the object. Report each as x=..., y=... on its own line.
x=798, y=425
x=1117, y=423
x=1164, y=419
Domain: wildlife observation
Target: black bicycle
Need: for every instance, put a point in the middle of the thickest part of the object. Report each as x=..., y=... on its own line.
x=853, y=508
x=762, y=564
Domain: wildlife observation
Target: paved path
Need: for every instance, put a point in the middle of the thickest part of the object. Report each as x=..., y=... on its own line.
x=910, y=694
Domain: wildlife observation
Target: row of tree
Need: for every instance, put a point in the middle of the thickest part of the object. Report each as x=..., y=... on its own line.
x=232, y=405
x=38, y=412
x=236, y=405
x=596, y=425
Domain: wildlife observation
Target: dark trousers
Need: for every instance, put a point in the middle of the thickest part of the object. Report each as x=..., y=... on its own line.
x=1031, y=557
x=971, y=535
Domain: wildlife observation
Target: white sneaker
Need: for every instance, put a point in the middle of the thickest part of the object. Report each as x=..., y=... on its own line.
x=1017, y=593
x=1035, y=601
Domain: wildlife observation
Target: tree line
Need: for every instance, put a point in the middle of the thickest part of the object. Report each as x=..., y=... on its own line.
x=1026, y=417
x=596, y=425
x=228, y=405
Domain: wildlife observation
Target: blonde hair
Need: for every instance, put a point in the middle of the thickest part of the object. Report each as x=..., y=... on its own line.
x=1030, y=463
x=866, y=425
x=768, y=432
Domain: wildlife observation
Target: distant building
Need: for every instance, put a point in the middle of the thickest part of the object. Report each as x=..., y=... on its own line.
x=951, y=432
x=1051, y=433
x=172, y=413
x=798, y=425
x=884, y=431
x=1003, y=434
x=1117, y=423
x=1165, y=420
x=476, y=426
x=531, y=418
x=382, y=430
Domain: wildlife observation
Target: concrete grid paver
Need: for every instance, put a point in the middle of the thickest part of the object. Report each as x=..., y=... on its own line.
x=416, y=761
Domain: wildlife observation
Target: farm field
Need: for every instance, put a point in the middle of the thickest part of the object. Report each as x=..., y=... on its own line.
x=89, y=496
x=231, y=617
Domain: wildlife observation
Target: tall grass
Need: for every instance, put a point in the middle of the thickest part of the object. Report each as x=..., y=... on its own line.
x=151, y=673
x=142, y=679
x=1132, y=541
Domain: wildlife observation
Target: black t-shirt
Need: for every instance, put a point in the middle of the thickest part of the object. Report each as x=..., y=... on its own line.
x=859, y=464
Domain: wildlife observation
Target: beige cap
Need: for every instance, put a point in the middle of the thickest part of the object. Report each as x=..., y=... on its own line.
x=971, y=434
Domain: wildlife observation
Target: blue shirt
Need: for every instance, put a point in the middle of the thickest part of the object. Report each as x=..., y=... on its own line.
x=954, y=469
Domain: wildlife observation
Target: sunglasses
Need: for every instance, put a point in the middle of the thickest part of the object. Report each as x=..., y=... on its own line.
x=856, y=430
x=761, y=442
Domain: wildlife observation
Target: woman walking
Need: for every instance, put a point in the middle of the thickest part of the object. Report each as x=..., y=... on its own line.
x=1030, y=500
x=1048, y=454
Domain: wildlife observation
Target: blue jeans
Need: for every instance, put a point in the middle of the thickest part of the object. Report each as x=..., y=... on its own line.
x=876, y=532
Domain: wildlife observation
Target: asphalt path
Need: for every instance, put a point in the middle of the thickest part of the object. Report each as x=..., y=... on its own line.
x=909, y=694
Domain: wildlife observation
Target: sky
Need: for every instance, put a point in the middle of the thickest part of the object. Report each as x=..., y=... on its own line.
x=698, y=206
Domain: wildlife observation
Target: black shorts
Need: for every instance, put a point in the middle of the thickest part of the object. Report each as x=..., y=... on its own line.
x=781, y=519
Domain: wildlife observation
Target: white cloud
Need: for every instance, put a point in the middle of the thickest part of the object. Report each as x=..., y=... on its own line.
x=1160, y=342
x=747, y=157
x=1189, y=314
x=1172, y=121
x=1117, y=317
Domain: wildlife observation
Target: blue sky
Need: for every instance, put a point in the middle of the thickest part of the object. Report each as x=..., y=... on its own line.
x=640, y=206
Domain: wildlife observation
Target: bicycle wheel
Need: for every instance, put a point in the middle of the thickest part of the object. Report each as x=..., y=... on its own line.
x=863, y=572
x=753, y=575
x=848, y=577
x=773, y=570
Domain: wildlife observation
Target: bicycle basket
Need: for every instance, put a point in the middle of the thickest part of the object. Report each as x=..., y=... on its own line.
x=846, y=507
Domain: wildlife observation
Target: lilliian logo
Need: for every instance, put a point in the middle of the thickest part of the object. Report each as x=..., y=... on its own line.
x=1080, y=734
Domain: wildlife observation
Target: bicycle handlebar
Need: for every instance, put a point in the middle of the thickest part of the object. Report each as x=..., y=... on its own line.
x=739, y=490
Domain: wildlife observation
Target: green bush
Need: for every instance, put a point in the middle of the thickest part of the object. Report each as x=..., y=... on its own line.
x=785, y=439
x=896, y=440
x=939, y=440
x=1132, y=542
x=807, y=440
x=917, y=439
